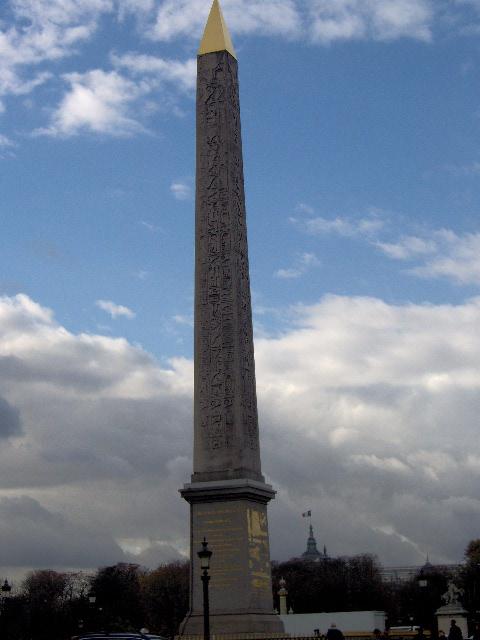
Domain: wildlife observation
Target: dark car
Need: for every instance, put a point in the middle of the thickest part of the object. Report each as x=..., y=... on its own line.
x=117, y=635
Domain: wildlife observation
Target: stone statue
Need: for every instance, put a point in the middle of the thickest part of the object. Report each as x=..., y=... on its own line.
x=452, y=595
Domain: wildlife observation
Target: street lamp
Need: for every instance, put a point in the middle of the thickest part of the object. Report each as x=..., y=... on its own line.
x=422, y=581
x=205, y=554
x=92, y=598
x=6, y=588
x=5, y=592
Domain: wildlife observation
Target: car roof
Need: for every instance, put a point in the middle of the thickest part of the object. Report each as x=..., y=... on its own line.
x=118, y=636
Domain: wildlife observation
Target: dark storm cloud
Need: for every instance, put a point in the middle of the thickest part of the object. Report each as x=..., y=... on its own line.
x=10, y=424
x=31, y=535
x=362, y=419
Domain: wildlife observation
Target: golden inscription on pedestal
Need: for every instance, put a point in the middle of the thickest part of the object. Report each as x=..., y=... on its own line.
x=258, y=551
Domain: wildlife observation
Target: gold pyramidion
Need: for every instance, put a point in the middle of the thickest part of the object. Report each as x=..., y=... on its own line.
x=216, y=36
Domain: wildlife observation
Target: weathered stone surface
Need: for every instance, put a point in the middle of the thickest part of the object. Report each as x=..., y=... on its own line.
x=240, y=586
x=228, y=496
x=226, y=424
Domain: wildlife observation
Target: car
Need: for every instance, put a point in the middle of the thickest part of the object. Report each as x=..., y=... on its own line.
x=117, y=635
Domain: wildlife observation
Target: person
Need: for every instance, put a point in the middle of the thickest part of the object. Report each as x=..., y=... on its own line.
x=441, y=635
x=377, y=634
x=420, y=635
x=455, y=632
x=475, y=632
x=334, y=634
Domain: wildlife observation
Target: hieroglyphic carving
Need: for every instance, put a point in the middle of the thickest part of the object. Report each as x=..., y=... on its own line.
x=226, y=406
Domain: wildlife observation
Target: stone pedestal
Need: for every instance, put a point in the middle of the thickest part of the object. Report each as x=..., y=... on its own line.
x=450, y=612
x=282, y=595
x=232, y=516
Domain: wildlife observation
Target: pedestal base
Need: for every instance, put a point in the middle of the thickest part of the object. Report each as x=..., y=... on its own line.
x=232, y=516
x=451, y=612
x=232, y=626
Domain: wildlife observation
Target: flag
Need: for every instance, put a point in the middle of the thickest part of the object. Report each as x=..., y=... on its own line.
x=307, y=514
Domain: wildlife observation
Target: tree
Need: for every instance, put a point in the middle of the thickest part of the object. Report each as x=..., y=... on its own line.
x=118, y=605
x=420, y=597
x=335, y=584
x=44, y=593
x=469, y=579
x=165, y=597
x=46, y=587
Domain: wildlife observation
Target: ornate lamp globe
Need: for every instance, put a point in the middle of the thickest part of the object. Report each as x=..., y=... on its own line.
x=205, y=554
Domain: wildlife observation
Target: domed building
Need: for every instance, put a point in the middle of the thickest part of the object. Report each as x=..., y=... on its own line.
x=312, y=554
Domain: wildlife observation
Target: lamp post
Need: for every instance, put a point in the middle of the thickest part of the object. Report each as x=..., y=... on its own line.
x=6, y=588
x=92, y=598
x=5, y=591
x=422, y=581
x=205, y=554
x=424, y=611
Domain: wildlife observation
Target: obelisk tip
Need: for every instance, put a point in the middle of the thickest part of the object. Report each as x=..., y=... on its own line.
x=216, y=36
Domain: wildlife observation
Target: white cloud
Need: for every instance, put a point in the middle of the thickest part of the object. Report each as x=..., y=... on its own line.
x=393, y=465
x=472, y=169
x=97, y=101
x=43, y=30
x=5, y=141
x=350, y=387
x=360, y=19
x=183, y=320
x=458, y=258
x=342, y=226
x=115, y=310
x=407, y=248
x=187, y=17
x=180, y=190
x=443, y=254
x=150, y=226
x=183, y=74
x=322, y=21
x=303, y=263
x=303, y=207
x=288, y=274
x=440, y=253
x=108, y=102
x=357, y=382
x=39, y=33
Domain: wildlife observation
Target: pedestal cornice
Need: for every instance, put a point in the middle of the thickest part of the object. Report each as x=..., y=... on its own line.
x=224, y=490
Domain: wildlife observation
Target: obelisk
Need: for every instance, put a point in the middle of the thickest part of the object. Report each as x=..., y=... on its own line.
x=228, y=496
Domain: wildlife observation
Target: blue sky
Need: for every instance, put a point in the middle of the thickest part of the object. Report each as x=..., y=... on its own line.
x=356, y=129
x=361, y=127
